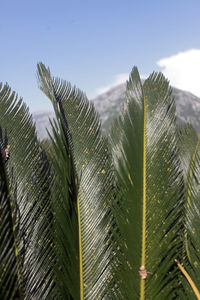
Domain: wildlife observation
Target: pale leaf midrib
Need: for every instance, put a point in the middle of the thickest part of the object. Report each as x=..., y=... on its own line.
x=80, y=251
x=142, y=281
x=189, y=279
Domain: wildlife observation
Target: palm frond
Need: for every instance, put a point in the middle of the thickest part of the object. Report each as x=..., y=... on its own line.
x=28, y=184
x=149, y=209
x=10, y=280
x=190, y=159
x=64, y=205
x=94, y=170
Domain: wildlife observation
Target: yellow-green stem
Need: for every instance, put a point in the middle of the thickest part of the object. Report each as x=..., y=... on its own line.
x=80, y=251
x=187, y=276
x=142, y=281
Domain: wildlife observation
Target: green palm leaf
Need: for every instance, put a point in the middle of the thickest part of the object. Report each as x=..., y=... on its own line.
x=10, y=283
x=149, y=209
x=190, y=159
x=64, y=206
x=92, y=232
x=28, y=187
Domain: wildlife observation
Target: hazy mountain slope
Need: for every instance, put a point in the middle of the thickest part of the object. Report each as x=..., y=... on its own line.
x=187, y=106
x=108, y=105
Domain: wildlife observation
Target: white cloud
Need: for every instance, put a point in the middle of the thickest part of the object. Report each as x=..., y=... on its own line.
x=183, y=70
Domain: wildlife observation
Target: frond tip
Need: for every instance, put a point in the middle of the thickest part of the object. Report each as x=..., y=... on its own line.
x=94, y=172
x=149, y=207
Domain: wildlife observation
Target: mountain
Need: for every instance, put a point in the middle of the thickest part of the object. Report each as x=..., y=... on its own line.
x=108, y=106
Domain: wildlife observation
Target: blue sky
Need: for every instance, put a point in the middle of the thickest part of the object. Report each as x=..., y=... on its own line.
x=94, y=44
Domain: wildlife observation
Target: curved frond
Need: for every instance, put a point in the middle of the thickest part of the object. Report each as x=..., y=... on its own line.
x=28, y=184
x=65, y=215
x=94, y=170
x=190, y=159
x=149, y=209
x=10, y=281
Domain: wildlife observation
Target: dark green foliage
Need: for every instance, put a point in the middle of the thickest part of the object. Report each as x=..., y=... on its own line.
x=80, y=214
x=9, y=260
x=148, y=141
x=190, y=159
x=92, y=164
x=27, y=174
